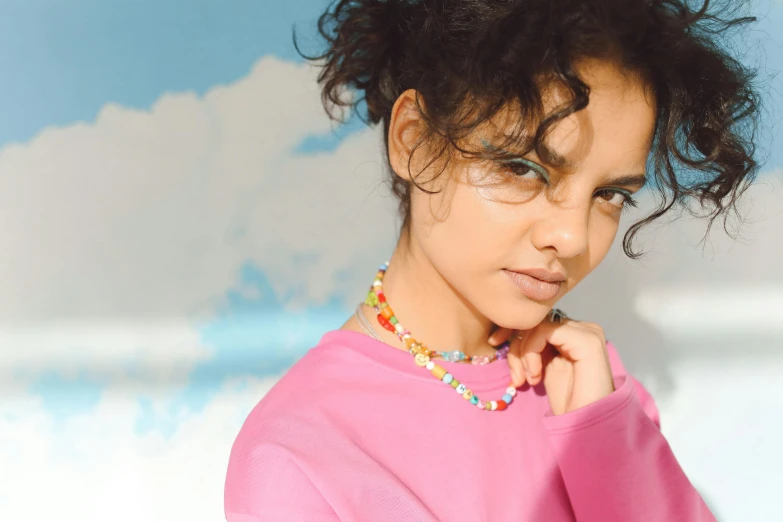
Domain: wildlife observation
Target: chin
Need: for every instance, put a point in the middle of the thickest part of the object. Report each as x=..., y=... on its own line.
x=518, y=314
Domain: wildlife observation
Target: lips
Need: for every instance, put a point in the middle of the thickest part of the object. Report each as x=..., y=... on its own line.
x=533, y=287
x=542, y=274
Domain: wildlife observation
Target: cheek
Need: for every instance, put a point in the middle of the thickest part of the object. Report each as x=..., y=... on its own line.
x=465, y=237
x=601, y=235
x=601, y=232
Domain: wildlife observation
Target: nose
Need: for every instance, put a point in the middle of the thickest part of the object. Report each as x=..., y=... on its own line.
x=563, y=227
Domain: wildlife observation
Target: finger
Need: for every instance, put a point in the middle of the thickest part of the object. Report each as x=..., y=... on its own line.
x=534, y=365
x=536, y=339
x=499, y=335
x=548, y=355
x=517, y=370
x=577, y=342
x=517, y=364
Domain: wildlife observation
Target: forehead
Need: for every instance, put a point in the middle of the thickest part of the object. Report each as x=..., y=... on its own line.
x=617, y=123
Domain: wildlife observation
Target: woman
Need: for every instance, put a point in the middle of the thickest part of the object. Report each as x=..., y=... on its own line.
x=516, y=133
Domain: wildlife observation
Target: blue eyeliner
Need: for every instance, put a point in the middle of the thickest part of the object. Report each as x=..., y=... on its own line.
x=523, y=161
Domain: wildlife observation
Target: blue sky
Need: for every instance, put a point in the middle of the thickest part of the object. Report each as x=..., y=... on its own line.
x=62, y=61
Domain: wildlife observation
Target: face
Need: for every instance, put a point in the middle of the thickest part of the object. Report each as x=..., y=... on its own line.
x=492, y=219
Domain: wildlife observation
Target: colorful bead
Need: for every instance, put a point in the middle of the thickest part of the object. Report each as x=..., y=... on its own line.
x=387, y=312
x=507, y=398
x=385, y=323
x=474, y=400
x=455, y=383
x=468, y=394
x=480, y=403
x=439, y=371
x=447, y=378
x=501, y=405
x=421, y=359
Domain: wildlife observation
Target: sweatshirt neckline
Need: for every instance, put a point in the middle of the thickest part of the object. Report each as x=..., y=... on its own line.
x=491, y=375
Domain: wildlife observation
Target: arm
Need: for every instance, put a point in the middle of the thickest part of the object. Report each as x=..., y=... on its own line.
x=265, y=485
x=616, y=463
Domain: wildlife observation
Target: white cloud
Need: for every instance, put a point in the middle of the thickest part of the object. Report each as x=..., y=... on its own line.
x=124, y=234
x=95, y=468
x=148, y=215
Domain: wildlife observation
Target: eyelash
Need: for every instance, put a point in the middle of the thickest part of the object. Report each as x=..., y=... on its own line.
x=521, y=166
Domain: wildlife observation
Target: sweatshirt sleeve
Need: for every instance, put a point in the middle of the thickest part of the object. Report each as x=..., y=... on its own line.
x=615, y=462
x=265, y=485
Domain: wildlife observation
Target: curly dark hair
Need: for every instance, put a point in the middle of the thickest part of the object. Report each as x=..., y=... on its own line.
x=488, y=54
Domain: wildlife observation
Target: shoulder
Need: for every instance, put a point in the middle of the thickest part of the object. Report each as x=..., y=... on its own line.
x=619, y=372
x=291, y=403
x=302, y=409
x=264, y=481
x=272, y=471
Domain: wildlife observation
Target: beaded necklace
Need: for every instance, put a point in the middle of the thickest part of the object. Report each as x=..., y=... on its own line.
x=423, y=355
x=453, y=356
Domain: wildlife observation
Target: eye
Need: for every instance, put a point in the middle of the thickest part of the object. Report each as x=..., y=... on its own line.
x=619, y=198
x=522, y=168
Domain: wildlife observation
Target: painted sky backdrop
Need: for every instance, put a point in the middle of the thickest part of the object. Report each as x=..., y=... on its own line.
x=180, y=222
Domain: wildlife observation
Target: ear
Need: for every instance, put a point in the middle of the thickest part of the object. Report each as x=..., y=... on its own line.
x=405, y=128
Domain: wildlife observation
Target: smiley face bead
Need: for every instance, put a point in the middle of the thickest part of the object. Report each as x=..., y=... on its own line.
x=421, y=359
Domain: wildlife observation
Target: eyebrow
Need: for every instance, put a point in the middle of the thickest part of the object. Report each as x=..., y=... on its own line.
x=557, y=160
x=629, y=180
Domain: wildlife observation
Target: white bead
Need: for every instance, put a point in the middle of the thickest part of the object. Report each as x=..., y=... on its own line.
x=511, y=391
x=430, y=365
x=461, y=388
x=376, y=283
x=494, y=404
x=399, y=328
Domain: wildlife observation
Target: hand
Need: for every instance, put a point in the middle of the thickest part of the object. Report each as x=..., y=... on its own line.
x=570, y=357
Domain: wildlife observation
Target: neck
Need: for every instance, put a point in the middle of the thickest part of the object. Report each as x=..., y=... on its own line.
x=431, y=309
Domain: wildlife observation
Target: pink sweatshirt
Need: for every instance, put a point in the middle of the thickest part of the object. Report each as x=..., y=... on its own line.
x=355, y=431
